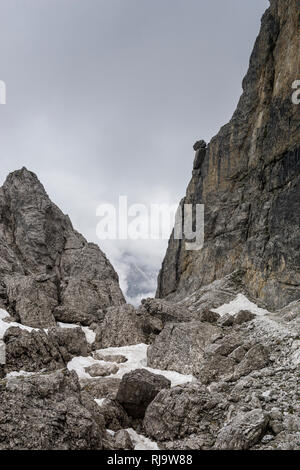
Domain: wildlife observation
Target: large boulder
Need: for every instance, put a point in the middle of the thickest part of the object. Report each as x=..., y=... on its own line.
x=256, y=358
x=138, y=388
x=33, y=301
x=243, y=431
x=218, y=361
x=243, y=316
x=164, y=310
x=104, y=387
x=35, y=350
x=71, y=341
x=46, y=411
x=180, y=346
x=123, y=440
x=183, y=411
x=121, y=327
x=31, y=351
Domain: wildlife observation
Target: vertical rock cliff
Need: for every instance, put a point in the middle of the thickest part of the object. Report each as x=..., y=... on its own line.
x=248, y=179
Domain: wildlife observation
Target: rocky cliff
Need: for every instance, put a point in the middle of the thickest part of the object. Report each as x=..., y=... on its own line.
x=248, y=178
x=219, y=370
x=48, y=271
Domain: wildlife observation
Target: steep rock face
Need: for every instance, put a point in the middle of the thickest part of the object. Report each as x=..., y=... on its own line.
x=248, y=179
x=48, y=270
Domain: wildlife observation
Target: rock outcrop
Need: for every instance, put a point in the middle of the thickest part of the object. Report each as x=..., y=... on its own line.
x=243, y=432
x=48, y=271
x=37, y=350
x=137, y=390
x=180, y=346
x=248, y=178
x=184, y=411
x=213, y=321
x=47, y=411
x=121, y=327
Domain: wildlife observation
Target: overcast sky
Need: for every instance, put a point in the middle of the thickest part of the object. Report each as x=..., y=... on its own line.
x=107, y=97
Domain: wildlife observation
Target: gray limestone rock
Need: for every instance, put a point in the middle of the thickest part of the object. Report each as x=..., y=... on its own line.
x=137, y=389
x=31, y=351
x=46, y=411
x=115, y=416
x=71, y=341
x=180, y=346
x=123, y=440
x=183, y=411
x=256, y=358
x=106, y=387
x=121, y=327
x=243, y=431
x=249, y=180
x=243, y=316
x=101, y=370
x=47, y=269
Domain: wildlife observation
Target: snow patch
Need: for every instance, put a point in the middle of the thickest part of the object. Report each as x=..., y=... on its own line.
x=5, y=325
x=21, y=373
x=89, y=334
x=79, y=363
x=100, y=401
x=136, y=359
x=141, y=442
x=3, y=314
x=240, y=303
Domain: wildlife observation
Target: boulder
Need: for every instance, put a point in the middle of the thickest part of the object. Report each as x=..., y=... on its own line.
x=46, y=411
x=164, y=310
x=245, y=430
x=243, y=316
x=31, y=351
x=256, y=358
x=36, y=350
x=47, y=269
x=33, y=301
x=71, y=341
x=183, y=411
x=180, y=346
x=209, y=316
x=217, y=363
x=121, y=327
x=214, y=368
x=114, y=415
x=118, y=358
x=137, y=389
x=106, y=387
x=101, y=370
